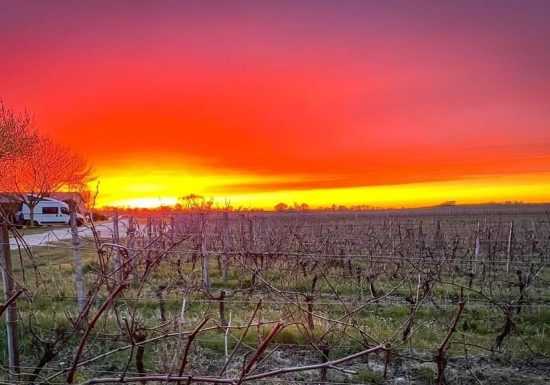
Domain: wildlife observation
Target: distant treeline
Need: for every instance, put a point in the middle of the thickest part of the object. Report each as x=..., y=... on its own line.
x=443, y=209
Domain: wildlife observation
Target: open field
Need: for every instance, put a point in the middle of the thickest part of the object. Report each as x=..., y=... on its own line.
x=416, y=297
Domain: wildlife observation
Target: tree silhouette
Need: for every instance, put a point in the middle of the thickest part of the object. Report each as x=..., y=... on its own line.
x=281, y=207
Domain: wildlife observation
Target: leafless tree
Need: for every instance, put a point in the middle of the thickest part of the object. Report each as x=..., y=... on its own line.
x=45, y=169
x=16, y=132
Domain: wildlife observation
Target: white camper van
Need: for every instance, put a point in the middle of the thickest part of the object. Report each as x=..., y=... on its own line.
x=48, y=211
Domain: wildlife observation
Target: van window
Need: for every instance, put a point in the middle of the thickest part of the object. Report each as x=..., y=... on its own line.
x=65, y=211
x=49, y=210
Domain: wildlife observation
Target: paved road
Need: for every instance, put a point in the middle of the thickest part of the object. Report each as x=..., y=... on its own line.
x=105, y=230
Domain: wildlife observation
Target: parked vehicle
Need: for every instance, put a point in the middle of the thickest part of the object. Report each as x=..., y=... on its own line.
x=48, y=211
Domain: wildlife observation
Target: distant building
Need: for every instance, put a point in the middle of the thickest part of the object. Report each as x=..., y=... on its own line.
x=70, y=198
x=8, y=205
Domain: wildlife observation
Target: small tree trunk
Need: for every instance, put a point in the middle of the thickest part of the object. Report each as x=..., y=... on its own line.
x=31, y=210
x=441, y=358
x=47, y=356
x=310, y=322
x=221, y=309
x=161, y=303
x=325, y=351
x=139, y=337
x=506, y=330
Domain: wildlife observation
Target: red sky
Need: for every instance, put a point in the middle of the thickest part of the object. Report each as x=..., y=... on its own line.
x=262, y=101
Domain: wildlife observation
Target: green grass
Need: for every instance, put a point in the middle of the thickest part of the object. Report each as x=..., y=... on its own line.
x=369, y=377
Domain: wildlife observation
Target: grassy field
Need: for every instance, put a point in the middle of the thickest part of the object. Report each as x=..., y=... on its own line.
x=28, y=230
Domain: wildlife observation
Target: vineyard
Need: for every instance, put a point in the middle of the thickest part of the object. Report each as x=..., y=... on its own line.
x=294, y=297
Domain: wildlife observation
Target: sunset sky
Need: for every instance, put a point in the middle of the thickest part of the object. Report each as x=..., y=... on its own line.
x=387, y=103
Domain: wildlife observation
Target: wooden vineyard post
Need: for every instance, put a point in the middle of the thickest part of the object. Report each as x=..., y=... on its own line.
x=392, y=239
x=225, y=240
x=204, y=256
x=149, y=230
x=116, y=239
x=77, y=261
x=250, y=235
x=11, y=312
x=509, y=250
x=130, y=241
x=172, y=229
x=476, y=249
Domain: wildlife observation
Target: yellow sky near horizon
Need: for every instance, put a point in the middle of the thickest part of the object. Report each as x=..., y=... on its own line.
x=153, y=188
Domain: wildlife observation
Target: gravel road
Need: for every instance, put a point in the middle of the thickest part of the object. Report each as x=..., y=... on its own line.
x=105, y=230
